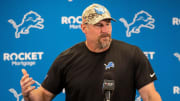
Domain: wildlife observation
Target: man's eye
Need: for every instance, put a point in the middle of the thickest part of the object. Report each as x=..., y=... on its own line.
x=99, y=25
x=108, y=24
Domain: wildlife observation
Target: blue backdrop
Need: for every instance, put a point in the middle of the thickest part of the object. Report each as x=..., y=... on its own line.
x=34, y=32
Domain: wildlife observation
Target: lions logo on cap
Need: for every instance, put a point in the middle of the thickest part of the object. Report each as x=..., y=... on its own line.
x=99, y=10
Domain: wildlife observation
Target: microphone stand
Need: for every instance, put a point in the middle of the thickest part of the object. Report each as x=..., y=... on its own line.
x=108, y=87
x=107, y=95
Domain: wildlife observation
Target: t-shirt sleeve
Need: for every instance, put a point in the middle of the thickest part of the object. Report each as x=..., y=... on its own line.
x=144, y=73
x=55, y=79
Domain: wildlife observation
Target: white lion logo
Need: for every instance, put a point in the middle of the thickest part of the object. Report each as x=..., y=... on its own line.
x=19, y=96
x=177, y=55
x=16, y=95
x=30, y=20
x=141, y=19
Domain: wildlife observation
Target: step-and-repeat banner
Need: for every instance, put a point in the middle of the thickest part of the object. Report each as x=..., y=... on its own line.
x=34, y=32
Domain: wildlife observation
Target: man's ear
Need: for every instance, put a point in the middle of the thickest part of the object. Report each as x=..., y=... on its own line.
x=83, y=28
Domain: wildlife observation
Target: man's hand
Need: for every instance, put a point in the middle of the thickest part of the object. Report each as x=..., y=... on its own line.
x=26, y=83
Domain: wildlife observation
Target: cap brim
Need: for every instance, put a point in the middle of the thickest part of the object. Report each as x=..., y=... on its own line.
x=113, y=19
x=110, y=19
x=105, y=19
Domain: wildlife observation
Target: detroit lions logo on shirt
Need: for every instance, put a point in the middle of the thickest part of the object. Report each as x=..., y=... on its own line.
x=109, y=65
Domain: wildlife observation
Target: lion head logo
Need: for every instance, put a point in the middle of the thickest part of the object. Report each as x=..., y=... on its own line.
x=19, y=96
x=141, y=19
x=30, y=20
x=177, y=55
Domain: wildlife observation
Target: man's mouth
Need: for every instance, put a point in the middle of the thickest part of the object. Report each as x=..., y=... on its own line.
x=105, y=35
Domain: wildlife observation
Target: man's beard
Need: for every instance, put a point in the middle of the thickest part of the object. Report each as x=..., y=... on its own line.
x=104, y=43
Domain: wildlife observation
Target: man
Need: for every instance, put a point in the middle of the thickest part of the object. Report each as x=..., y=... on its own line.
x=81, y=70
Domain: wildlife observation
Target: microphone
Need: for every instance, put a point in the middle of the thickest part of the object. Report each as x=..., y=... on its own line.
x=108, y=86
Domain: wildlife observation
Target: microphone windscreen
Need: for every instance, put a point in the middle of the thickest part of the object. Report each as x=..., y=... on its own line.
x=108, y=85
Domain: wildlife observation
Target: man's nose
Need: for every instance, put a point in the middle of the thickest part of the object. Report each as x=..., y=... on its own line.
x=105, y=29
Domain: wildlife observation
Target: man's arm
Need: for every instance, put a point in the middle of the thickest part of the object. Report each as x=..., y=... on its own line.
x=149, y=93
x=30, y=93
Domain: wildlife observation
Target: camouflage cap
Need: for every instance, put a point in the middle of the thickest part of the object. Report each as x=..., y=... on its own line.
x=95, y=13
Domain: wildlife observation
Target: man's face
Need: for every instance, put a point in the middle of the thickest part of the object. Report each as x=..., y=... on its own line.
x=100, y=33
